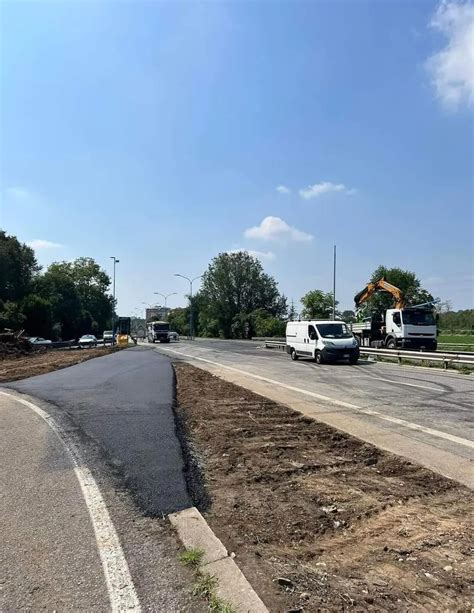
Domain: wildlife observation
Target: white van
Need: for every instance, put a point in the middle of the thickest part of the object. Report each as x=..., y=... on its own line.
x=322, y=340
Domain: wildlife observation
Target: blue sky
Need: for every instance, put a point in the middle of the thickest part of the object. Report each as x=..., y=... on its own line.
x=165, y=133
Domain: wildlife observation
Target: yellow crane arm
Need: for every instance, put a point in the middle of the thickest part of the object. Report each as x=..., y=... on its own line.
x=383, y=285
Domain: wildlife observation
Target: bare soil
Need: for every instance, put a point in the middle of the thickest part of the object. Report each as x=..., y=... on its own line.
x=319, y=520
x=19, y=366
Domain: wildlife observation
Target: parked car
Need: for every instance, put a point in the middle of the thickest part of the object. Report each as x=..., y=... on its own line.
x=88, y=340
x=38, y=340
x=173, y=336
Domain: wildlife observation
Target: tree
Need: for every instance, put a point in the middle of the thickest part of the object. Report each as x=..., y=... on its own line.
x=348, y=316
x=92, y=285
x=179, y=320
x=235, y=285
x=11, y=315
x=317, y=305
x=78, y=293
x=38, y=316
x=18, y=268
x=57, y=287
x=405, y=280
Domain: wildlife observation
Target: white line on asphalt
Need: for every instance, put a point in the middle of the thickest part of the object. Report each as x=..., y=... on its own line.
x=347, y=405
x=121, y=590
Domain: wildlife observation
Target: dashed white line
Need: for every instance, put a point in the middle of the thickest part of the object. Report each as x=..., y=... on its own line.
x=401, y=422
x=120, y=588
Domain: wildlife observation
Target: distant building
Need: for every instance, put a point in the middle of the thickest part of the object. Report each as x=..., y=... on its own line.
x=158, y=313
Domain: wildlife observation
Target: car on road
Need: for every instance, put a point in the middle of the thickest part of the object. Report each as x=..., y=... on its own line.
x=87, y=340
x=108, y=336
x=173, y=336
x=39, y=340
x=321, y=340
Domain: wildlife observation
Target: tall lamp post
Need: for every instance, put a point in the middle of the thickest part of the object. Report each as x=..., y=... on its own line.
x=191, y=281
x=165, y=296
x=112, y=257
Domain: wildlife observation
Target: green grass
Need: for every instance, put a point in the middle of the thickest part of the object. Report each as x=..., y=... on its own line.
x=217, y=605
x=205, y=586
x=463, y=339
x=192, y=557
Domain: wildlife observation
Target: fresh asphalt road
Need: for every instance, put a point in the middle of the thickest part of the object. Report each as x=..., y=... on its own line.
x=420, y=405
x=124, y=402
x=72, y=538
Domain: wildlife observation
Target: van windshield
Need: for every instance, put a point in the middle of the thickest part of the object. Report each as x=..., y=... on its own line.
x=335, y=330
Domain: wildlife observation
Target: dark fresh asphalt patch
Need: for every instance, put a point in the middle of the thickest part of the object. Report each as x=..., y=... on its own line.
x=125, y=402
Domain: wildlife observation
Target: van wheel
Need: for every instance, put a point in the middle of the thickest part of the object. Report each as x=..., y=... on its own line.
x=318, y=357
x=354, y=359
x=294, y=357
x=391, y=343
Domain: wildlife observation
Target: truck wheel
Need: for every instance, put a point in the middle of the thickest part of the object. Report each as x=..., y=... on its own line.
x=391, y=343
x=294, y=357
x=318, y=357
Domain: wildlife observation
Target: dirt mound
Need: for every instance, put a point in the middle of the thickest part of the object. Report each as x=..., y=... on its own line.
x=319, y=520
x=13, y=344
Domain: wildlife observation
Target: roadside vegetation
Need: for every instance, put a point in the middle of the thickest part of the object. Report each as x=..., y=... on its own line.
x=205, y=585
x=66, y=300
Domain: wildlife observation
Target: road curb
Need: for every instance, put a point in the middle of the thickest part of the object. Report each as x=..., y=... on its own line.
x=195, y=533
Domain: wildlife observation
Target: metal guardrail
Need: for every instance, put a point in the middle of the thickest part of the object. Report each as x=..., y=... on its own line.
x=445, y=358
x=424, y=356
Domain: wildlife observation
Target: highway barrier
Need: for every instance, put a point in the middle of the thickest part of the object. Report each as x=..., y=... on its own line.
x=446, y=358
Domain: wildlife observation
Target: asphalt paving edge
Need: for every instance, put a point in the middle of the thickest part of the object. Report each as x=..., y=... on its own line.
x=233, y=587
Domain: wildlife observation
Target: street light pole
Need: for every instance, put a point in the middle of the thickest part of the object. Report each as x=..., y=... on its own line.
x=165, y=296
x=112, y=257
x=191, y=328
x=334, y=287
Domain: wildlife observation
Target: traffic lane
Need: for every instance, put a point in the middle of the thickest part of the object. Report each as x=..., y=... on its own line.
x=48, y=558
x=124, y=401
x=431, y=403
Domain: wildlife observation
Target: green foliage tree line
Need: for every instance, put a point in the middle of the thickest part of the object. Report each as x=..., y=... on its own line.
x=65, y=301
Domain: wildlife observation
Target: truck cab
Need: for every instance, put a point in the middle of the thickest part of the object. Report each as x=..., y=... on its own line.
x=410, y=328
x=158, y=331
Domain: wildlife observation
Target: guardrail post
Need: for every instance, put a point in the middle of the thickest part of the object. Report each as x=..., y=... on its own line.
x=399, y=359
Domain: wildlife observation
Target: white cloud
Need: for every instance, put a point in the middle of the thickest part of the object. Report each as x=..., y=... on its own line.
x=274, y=228
x=39, y=243
x=325, y=187
x=282, y=189
x=261, y=255
x=452, y=68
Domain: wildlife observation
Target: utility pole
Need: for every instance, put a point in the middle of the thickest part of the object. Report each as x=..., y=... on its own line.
x=112, y=257
x=334, y=287
x=191, y=327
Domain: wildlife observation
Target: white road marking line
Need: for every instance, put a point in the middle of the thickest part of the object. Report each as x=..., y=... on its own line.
x=122, y=594
x=402, y=422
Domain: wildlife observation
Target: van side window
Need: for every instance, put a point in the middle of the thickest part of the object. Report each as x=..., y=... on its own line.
x=312, y=333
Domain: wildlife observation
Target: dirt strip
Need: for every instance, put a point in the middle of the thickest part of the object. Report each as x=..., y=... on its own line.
x=13, y=368
x=319, y=520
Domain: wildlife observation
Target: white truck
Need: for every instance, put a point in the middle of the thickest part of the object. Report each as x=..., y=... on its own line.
x=321, y=340
x=158, y=331
x=405, y=327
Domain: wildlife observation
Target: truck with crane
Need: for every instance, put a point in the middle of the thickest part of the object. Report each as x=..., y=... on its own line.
x=405, y=327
